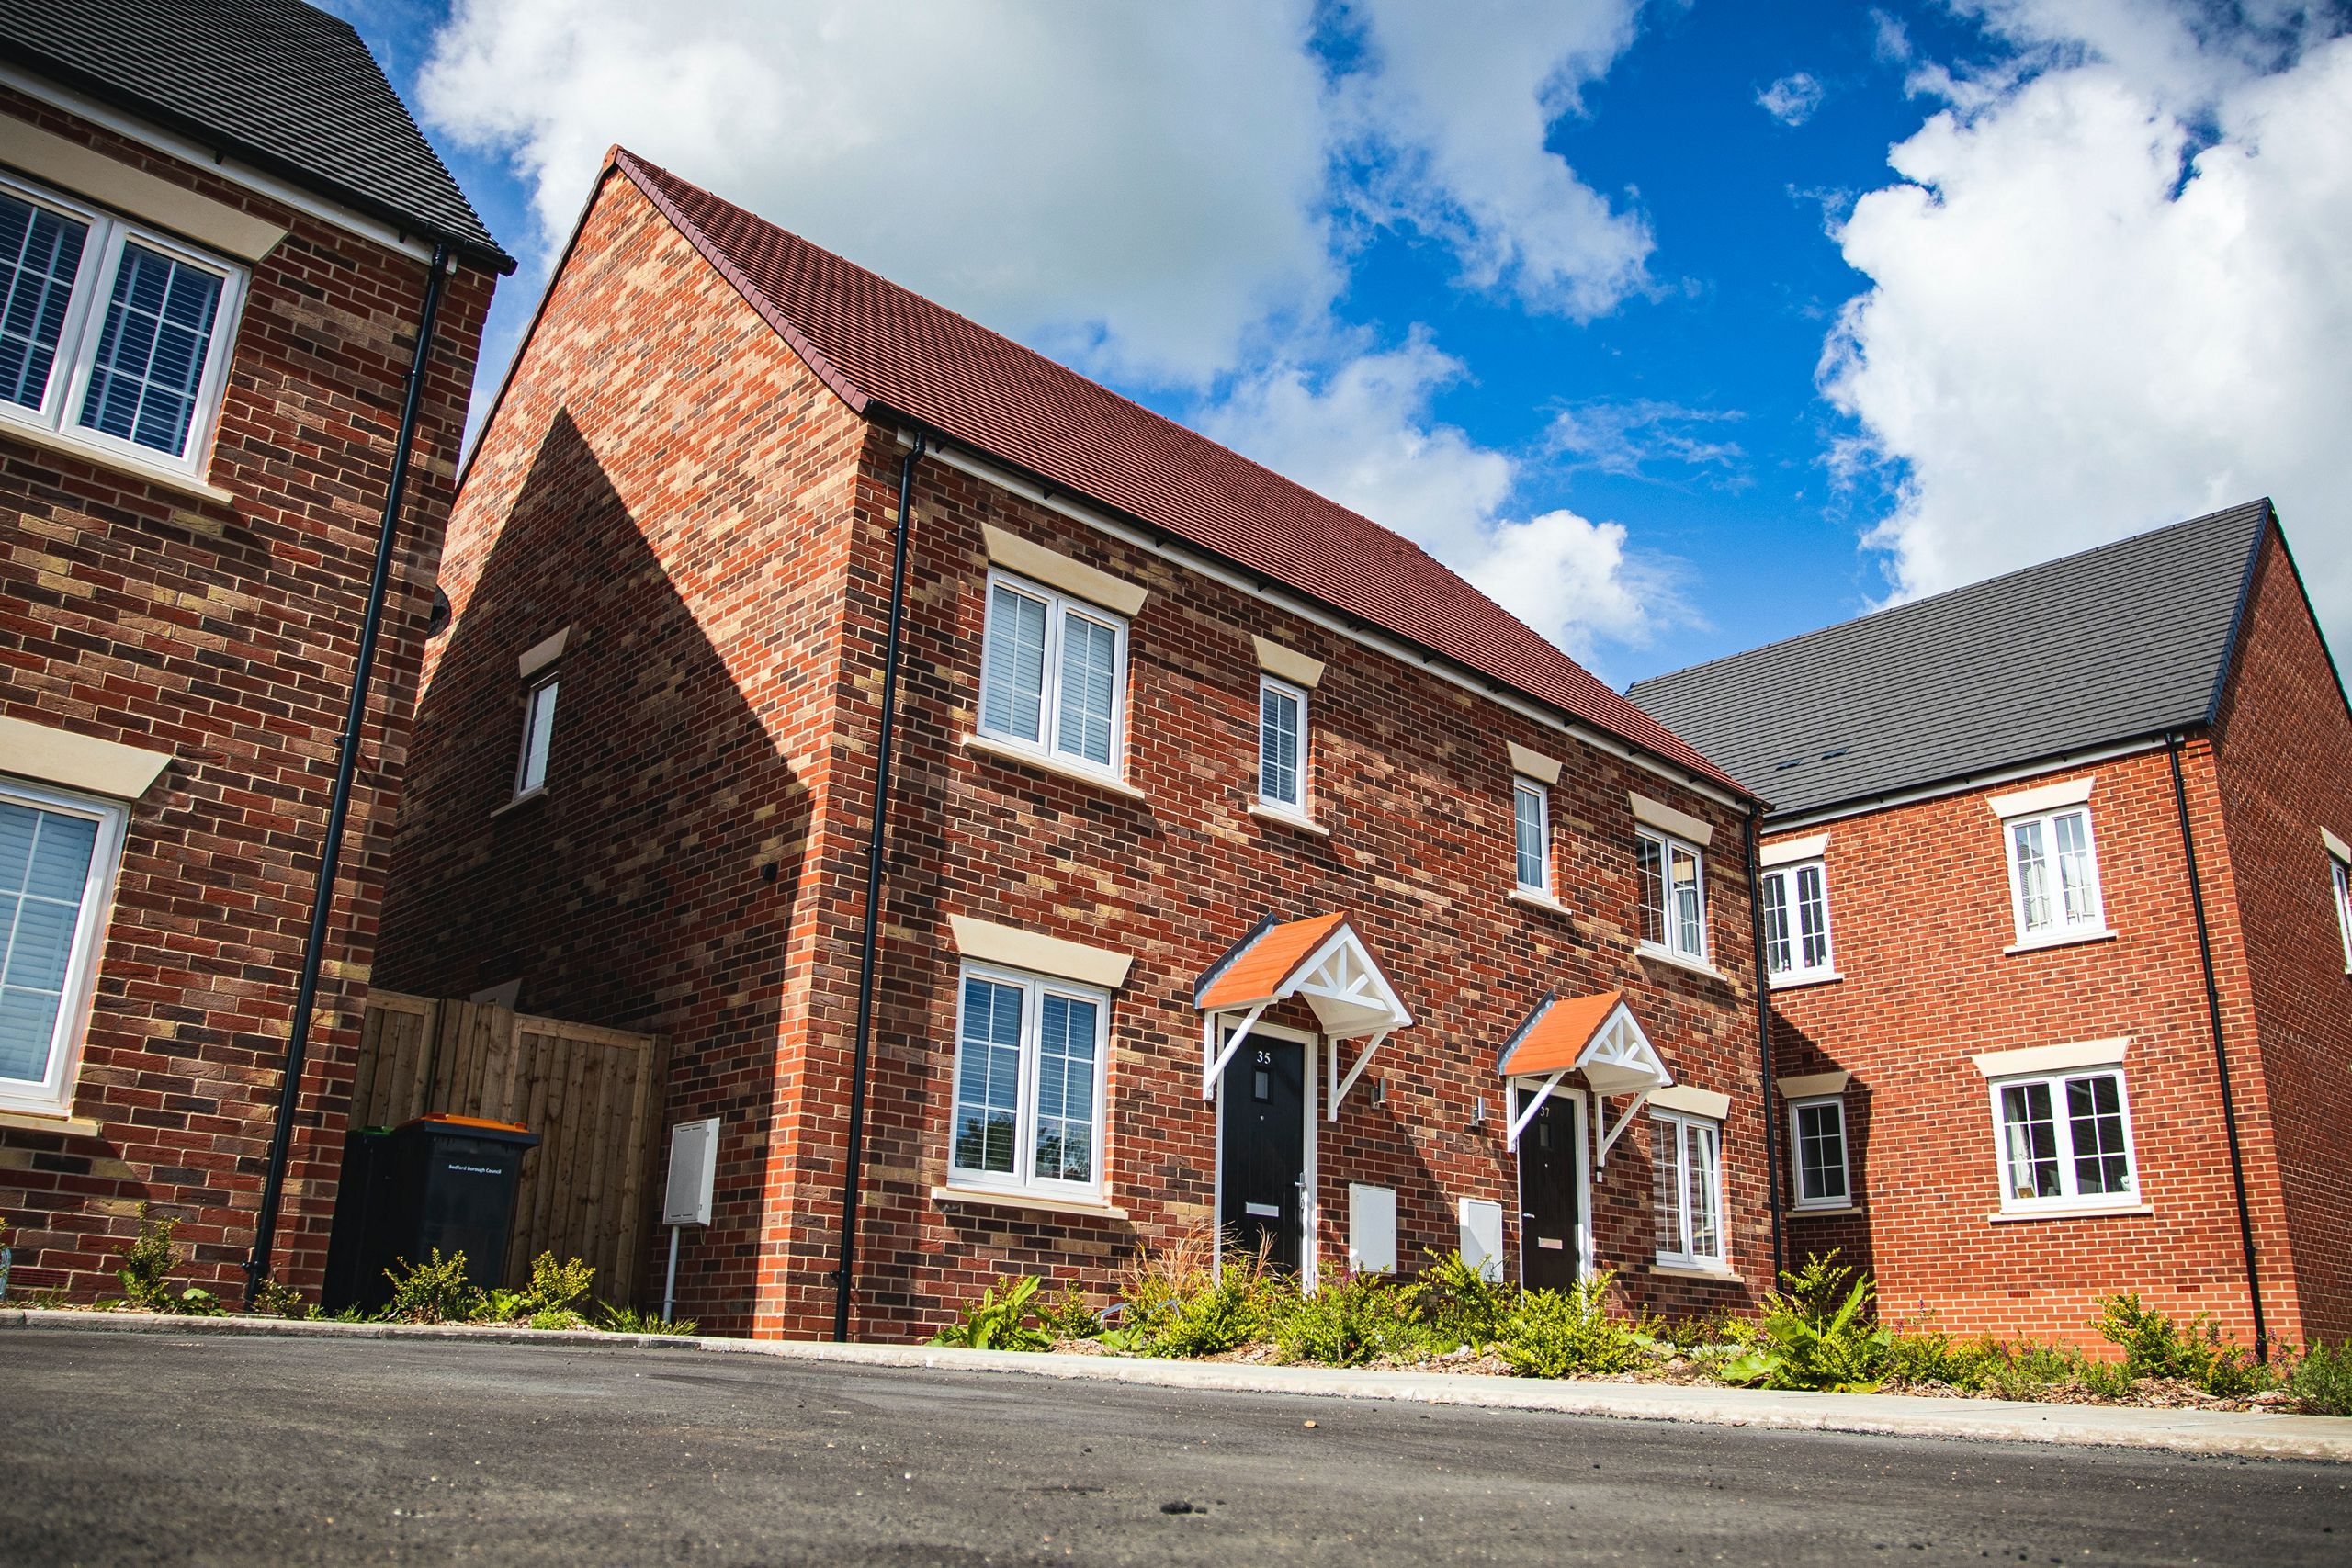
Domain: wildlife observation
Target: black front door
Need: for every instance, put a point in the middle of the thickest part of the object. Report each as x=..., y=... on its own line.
x=1264, y=1147
x=1547, y=1196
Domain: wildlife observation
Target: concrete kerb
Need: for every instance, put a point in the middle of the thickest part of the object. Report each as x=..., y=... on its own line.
x=2251, y=1435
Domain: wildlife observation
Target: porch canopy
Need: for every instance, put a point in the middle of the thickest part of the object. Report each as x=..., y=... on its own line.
x=1597, y=1035
x=1321, y=960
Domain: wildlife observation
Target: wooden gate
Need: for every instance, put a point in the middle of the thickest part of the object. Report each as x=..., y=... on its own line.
x=593, y=1095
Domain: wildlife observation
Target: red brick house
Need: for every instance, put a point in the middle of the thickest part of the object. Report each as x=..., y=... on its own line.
x=2056, y=911
x=218, y=233
x=1241, y=863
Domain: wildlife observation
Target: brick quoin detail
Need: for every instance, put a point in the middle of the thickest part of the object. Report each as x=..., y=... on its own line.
x=666, y=479
x=224, y=634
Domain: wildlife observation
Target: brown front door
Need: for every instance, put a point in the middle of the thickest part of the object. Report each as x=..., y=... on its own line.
x=1547, y=1196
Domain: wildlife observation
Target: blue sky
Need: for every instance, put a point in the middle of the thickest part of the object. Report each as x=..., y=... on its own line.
x=1677, y=327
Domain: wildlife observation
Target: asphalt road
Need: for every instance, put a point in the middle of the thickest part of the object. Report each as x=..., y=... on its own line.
x=136, y=1448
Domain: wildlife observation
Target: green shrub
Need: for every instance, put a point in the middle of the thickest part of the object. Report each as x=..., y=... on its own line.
x=1071, y=1315
x=556, y=1287
x=1219, y=1317
x=147, y=1264
x=1457, y=1304
x=2028, y=1371
x=1556, y=1333
x=276, y=1299
x=1930, y=1355
x=1817, y=1332
x=613, y=1319
x=1348, y=1323
x=2155, y=1347
x=2321, y=1381
x=998, y=1322
x=434, y=1291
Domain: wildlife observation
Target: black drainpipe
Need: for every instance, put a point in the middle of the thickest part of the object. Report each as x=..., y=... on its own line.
x=306, y=993
x=1764, y=1033
x=873, y=846
x=2220, y=1051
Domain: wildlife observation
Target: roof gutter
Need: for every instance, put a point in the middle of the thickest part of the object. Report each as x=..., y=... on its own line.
x=844, y=1274
x=306, y=991
x=2220, y=1051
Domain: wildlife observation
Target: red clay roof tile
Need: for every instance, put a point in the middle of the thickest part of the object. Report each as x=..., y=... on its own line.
x=1261, y=969
x=1560, y=1036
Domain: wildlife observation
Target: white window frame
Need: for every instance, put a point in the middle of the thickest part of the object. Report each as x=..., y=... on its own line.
x=1686, y=1127
x=53, y=1094
x=1296, y=806
x=1667, y=925
x=1525, y=788
x=2061, y=929
x=59, y=415
x=1799, y=1198
x=2340, y=877
x=1786, y=877
x=2068, y=1197
x=1023, y=1179
x=546, y=684
x=1059, y=607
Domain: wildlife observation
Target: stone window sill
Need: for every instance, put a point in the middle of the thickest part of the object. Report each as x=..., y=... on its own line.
x=524, y=798
x=162, y=477
x=2070, y=939
x=1022, y=757
x=1821, y=1211
x=2071, y=1212
x=989, y=1197
x=1544, y=901
x=1690, y=1272
x=1667, y=955
x=1291, y=819
x=1798, y=982
x=48, y=1121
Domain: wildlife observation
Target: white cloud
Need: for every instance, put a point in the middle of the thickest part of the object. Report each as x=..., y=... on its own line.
x=1630, y=438
x=1793, y=99
x=2111, y=292
x=1449, y=118
x=1137, y=188
x=1365, y=435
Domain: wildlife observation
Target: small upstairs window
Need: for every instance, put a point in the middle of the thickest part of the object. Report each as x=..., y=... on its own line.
x=2053, y=876
x=1282, y=746
x=1674, y=896
x=1796, y=924
x=539, y=734
x=1817, y=1135
x=2341, y=874
x=1054, y=675
x=1531, y=831
x=110, y=336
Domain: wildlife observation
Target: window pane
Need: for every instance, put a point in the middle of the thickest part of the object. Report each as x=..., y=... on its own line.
x=1666, y=1185
x=2033, y=874
x=987, y=1081
x=39, y=253
x=1534, y=868
x=150, y=356
x=1706, y=1223
x=1653, y=891
x=1821, y=1153
x=1278, y=746
x=1779, y=952
x=1088, y=678
x=1812, y=916
x=1689, y=925
x=2344, y=909
x=44, y=868
x=2030, y=1141
x=2077, y=878
x=1065, y=1090
x=2095, y=1118
x=538, y=735
x=1012, y=702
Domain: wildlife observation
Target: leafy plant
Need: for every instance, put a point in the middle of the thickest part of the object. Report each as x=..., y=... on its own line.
x=1929, y=1356
x=277, y=1299
x=1071, y=1315
x=502, y=1306
x=1458, y=1304
x=1556, y=1333
x=1348, y=1323
x=1817, y=1332
x=556, y=1287
x=434, y=1291
x=2028, y=1371
x=998, y=1321
x=147, y=1264
x=2155, y=1347
x=2321, y=1381
x=628, y=1320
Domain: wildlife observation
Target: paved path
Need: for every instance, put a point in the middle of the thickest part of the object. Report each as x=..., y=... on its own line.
x=209, y=1446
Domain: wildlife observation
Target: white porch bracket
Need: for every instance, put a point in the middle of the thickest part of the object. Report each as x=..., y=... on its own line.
x=1339, y=1086
x=1535, y=1103
x=1214, y=1061
x=1633, y=1108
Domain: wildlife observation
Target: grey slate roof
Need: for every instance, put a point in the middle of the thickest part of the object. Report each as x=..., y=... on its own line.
x=2115, y=644
x=277, y=84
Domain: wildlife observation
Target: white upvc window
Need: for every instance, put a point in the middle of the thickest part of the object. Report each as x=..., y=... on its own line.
x=1031, y=1053
x=538, y=735
x=2053, y=876
x=1817, y=1136
x=1674, y=896
x=111, y=337
x=1687, y=1181
x=2342, y=876
x=57, y=853
x=1054, y=675
x=1531, y=834
x=1797, y=923
x=1282, y=745
x=2065, y=1140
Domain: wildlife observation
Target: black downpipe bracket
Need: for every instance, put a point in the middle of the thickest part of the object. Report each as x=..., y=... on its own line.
x=1764, y=1035
x=306, y=993
x=2221, y=1053
x=854, y=1159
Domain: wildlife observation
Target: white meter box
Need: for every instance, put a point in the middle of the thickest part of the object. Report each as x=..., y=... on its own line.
x=694, y=1167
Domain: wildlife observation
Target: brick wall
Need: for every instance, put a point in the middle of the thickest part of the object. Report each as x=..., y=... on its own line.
x=2286, y=771
x=1919, y=906
x=224, y=632
x=733, y=564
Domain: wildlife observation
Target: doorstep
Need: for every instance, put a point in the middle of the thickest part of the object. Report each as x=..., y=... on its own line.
x=2245, y=1434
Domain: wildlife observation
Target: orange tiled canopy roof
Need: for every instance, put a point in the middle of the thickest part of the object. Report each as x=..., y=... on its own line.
x=1265, y=963
x=1559, y=1034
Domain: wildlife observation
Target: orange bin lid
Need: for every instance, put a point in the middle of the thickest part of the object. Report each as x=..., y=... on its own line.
x=443, y=1119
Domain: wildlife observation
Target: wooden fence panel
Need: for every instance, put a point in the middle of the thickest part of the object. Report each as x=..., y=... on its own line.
x=594, y=1096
